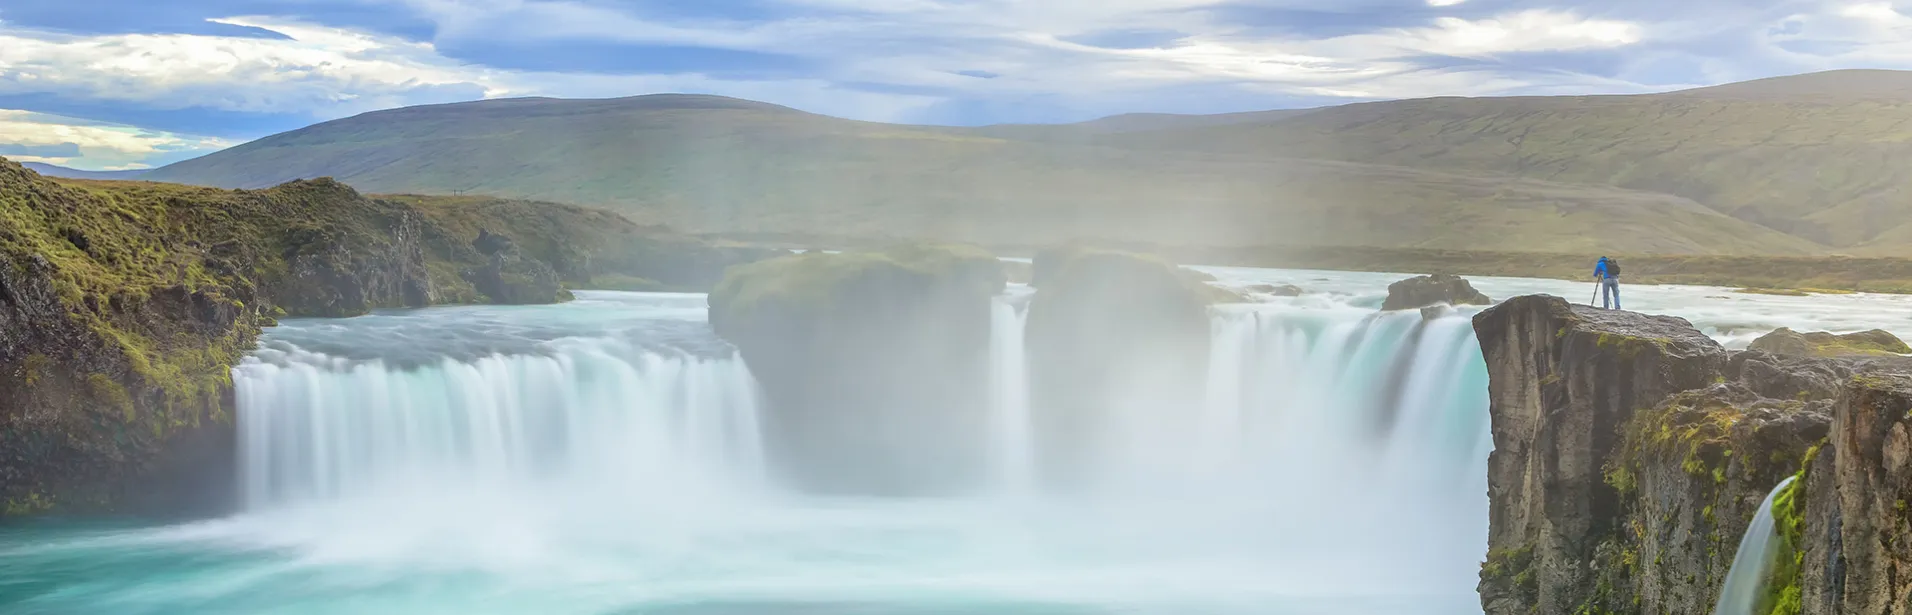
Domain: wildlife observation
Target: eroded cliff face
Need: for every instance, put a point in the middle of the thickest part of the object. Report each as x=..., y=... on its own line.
x=1632, y=452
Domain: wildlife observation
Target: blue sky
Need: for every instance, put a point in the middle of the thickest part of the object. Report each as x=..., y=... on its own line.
x=109, y=84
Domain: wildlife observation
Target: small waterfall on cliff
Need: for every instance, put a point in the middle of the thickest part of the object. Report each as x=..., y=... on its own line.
x=1753, y=562
x=597, y=413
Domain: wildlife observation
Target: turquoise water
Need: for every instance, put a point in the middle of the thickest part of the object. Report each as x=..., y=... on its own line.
x=598, y=458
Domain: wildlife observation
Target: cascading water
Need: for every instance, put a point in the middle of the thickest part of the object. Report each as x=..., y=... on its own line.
x=1753, y=563
x=601, y=457
x=315, y=427
x=1346, y=420
x=1009, y=397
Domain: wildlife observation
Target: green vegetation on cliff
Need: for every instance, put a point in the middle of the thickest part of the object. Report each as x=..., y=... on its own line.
x=124, y=305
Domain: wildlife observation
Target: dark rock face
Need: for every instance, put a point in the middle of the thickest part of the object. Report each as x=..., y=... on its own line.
x=1873, y=444
x=1427, y=290
x=510, y=277
x=1632, y=453
x=874, y=366
x=1564, y=382
x=329, y=275
x=1107, y=329
x=1821, y=344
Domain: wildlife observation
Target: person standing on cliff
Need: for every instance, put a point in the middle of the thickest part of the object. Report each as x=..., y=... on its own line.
x=1607, y=274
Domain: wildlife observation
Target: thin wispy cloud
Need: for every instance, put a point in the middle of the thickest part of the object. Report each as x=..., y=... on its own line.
x=229, y=70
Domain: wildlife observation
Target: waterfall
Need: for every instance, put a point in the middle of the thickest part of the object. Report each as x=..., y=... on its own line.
x=1754, y=561
x=319, y=427
x=1326, y=451
x=1363, y=416
x=1009, y=397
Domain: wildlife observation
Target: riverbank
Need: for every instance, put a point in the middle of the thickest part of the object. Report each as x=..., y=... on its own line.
x=1766, y=274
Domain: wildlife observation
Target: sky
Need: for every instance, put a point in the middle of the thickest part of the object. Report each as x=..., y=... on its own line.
x=125, y=84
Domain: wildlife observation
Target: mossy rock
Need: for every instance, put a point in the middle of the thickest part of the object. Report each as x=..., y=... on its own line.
x=786, y=291
x=875, y=366
x=1821, y=344
x=1428, y=290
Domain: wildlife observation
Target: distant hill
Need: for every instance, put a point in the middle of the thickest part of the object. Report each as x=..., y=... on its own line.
x=1800, y=165
x=1825, y=157
x=50, y=170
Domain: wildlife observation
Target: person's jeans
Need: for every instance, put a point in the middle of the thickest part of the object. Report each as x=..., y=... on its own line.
x=1610, y=293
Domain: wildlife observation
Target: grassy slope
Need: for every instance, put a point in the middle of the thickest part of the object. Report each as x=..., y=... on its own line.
x=720, y=165
x=1826, y=157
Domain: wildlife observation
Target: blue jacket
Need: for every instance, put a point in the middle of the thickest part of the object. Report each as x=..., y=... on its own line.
x=1600, y=270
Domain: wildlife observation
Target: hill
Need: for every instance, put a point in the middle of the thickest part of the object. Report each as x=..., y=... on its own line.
x=1825, y=157
x=718, y=165
x=53, y=170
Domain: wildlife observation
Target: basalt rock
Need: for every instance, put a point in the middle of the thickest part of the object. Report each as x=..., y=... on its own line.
x=1631, y=453
x=1427, y=290
x=1872, y=441
x=1565, y=381
x=1110, y=330
x=874, y=365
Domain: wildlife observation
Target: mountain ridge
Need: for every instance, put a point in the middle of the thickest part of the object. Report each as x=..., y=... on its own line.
x=1818, y=171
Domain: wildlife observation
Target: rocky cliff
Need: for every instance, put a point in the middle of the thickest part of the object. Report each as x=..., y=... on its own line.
x=123, y=306
x=874, y=365
x=1631, y=452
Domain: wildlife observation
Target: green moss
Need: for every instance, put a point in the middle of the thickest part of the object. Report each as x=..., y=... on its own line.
x=1511, y=567
x=30, y=503
x=34, y=368
x=104, y=390
x=1783, y=595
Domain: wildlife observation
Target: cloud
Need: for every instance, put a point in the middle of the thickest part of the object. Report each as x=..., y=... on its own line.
x=92, y=145
x=199, y=69
x=56, y=150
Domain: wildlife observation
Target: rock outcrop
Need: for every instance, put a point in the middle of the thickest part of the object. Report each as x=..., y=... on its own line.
x=874, y=365
x=1107, y=330
x=1631, y=453
x=1428, y=290
x=1874, y=343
